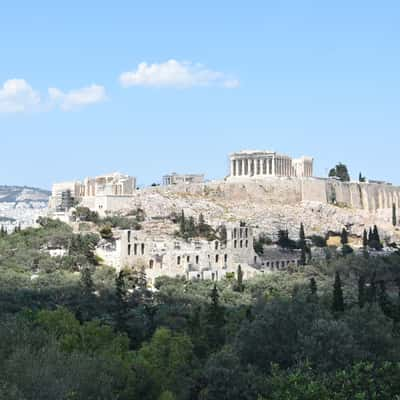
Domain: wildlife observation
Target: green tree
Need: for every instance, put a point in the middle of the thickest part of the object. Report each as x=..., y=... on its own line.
x=215, y=321
x=338, y=301
x=168, y=359
x=313, y=287
x=182, y=224
x=341, y=172
x=121, y=304
x=239, y=287
x=344, y=237
x=365, y=239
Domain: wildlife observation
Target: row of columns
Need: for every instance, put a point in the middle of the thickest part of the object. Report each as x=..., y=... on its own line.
x=272, y=166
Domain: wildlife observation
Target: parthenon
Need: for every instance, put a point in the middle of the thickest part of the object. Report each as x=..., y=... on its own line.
x=259, y=164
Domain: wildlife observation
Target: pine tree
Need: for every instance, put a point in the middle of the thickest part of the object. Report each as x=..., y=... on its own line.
x=344, y=237
x=361, y=291
x=338, y=302
x=215, y=321
x=394, y=215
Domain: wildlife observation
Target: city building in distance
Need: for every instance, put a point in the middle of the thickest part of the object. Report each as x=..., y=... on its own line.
x=175, y=179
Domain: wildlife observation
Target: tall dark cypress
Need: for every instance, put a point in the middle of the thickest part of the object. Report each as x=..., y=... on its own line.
x=338, y=301
x=344, y=237
x=365, y=239
x=313, y=287
x=302, y=245
x=121, y=303
x=240, y=286
x=215, y=318
x=370, y=237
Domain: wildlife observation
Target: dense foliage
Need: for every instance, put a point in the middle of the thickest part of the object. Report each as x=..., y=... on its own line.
x=73, y=329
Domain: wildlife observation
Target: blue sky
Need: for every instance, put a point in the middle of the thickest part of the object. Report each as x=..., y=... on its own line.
x=318, y=78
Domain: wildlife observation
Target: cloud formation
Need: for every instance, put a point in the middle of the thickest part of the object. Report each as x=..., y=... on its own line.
x=176, y=74
x=77, y=98
x=17, y=96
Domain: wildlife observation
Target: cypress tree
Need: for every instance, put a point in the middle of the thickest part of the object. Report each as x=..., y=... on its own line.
x=121, y=302
x=201, y=224
x=365, y=239
x=302, y=245
x=344, y=237
x=303, y=259
x=376, y=240
x=394, y=215
x=361, y=291
x=370, y=237
x=338, y=302
x=215, y=318
x=182, y=224
x=87, y=281
x=240, y=286
x=190, y=227
x=313, y=287
x=86, y=306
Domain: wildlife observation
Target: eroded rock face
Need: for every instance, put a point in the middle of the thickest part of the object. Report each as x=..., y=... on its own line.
x=268, y=207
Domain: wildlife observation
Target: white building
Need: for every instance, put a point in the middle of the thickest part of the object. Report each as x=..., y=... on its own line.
x=174, y=178
x=257, y=164
x=103, y=193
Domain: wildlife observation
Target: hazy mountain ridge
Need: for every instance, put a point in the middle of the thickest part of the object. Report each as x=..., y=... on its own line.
x=17, y=194
x=22, y=205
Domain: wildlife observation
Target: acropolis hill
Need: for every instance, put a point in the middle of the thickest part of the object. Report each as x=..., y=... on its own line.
x=265, y=191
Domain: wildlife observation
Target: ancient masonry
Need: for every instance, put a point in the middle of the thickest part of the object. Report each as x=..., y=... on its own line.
x=270, y=178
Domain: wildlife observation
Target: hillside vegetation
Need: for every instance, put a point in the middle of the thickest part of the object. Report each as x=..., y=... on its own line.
x=71, y=329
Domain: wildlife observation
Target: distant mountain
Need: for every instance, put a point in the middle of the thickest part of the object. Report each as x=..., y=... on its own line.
x=22, y=206
x=22, y=194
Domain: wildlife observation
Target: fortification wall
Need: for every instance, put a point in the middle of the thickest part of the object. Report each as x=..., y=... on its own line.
x=290, y=191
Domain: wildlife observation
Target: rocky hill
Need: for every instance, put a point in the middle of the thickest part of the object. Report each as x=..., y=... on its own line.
x=21, y=205
x=267, y=212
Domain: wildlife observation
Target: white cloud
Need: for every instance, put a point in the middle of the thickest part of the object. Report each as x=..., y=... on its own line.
x=78, y=97
x=173, y=73
x=18, y=96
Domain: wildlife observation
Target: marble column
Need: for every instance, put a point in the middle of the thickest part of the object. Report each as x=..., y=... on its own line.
x=249, y=160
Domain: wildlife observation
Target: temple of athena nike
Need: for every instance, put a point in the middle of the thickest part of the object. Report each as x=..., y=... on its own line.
x=260, y=164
